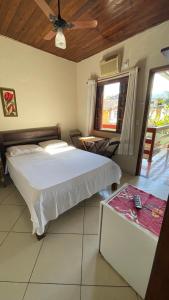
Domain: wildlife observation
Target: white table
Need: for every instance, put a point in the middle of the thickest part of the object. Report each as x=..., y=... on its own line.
x=126, y=246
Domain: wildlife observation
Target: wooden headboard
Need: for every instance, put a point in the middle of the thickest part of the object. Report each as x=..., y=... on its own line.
x=26, y=136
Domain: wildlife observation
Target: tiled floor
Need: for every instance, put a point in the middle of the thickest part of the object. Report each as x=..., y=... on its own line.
x=158, y=169
x=65, y=265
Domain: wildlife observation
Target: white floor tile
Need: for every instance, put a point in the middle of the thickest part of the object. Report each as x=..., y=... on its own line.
x=24, y=223
x=13, y=198
x=95, y=270
x=94, y=200
x=59, y=260
x=126, y=178
x=91, y=220
x=70, y=222
x=81, y=204
x=107, y=293
x=2, y=236
x=8, y=216
x=12, y=291
x=18, y=254
x=6, y=191
x=52, y=292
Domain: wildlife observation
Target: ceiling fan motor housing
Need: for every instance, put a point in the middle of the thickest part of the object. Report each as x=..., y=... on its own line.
x=60, y=23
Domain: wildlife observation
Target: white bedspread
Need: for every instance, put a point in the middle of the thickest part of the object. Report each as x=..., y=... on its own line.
x=52, y=183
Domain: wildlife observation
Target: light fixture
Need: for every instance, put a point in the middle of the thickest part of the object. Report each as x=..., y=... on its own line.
x=60, y=40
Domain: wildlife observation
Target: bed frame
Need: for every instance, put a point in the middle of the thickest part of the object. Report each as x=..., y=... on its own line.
x=26, y=136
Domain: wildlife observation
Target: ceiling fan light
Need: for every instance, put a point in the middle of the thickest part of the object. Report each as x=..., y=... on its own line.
x=60, y=40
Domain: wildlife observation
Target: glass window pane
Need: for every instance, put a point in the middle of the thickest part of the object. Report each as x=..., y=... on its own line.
x=159, y=100
x=110, y=106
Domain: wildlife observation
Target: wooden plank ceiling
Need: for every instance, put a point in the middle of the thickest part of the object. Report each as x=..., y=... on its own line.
x=23, y=20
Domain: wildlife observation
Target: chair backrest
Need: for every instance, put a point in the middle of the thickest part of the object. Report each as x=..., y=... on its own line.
x=74, y=137
x=108, y=148
x=75, y=132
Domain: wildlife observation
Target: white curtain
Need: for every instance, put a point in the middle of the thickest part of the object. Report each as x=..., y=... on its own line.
x=91, y=102
x=126, y=146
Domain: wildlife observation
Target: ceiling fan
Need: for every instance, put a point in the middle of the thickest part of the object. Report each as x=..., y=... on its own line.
x=59, y=24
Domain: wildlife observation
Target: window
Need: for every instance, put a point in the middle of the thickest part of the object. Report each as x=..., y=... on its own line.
x=110, y=104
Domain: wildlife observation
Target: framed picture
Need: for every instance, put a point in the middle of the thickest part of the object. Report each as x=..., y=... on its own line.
x=8, y=99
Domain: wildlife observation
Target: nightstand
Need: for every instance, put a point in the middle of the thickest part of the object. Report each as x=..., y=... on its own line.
x=128, y=237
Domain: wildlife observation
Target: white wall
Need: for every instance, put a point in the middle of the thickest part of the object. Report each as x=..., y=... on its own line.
x=45, y=87
x=142, y=50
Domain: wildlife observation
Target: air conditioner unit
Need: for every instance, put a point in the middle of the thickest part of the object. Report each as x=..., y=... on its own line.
x=109, y=67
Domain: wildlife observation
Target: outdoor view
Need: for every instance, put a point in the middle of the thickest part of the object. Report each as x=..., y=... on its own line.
x=159, y=106
x=159, y=110
x=110, y=106
x=155, y=161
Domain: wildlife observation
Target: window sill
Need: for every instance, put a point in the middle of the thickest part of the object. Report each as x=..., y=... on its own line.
x=105, y=133
x=109, y=131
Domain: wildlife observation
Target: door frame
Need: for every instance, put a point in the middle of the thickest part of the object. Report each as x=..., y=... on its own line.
x=158, y=286
x=145, y=116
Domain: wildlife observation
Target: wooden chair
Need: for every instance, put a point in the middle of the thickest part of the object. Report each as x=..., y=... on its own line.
x=109, y=148
x=74, y=137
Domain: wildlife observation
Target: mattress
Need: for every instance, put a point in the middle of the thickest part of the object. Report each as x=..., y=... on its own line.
x=51, y=183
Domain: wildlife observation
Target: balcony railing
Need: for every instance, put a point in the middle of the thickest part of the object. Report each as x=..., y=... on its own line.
x=156, y=138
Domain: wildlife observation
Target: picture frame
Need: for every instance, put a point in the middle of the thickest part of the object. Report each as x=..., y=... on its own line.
x=8, y=99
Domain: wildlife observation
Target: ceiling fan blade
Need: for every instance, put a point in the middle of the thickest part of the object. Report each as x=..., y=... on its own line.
x=44, y=7
x=50, y=35
x=84, y=24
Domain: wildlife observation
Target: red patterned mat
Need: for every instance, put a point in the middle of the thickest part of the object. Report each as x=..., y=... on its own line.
x=151, y=214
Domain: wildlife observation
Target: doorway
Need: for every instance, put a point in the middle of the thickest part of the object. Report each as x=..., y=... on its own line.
x=153, y=161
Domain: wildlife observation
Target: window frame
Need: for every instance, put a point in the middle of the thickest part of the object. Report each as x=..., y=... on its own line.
x=122, y=79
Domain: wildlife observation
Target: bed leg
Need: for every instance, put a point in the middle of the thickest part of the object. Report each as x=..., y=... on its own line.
x=40, y=237
x=114, y=187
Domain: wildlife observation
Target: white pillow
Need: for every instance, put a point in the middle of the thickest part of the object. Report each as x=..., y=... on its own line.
x=53, y=144
x=23, y=149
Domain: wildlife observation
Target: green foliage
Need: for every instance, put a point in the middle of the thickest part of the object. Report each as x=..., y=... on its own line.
x=160, y=101
x=158, y=120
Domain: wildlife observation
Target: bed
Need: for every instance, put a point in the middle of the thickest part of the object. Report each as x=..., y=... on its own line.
x=53, y=182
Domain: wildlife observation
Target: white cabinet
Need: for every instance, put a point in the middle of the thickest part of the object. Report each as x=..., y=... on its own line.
x=127, y=247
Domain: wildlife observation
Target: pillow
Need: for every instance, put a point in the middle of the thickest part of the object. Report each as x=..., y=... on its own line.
x=53, y=144
x=23, y=149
